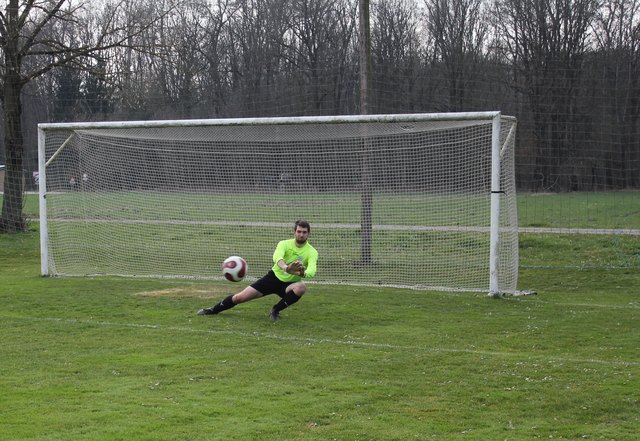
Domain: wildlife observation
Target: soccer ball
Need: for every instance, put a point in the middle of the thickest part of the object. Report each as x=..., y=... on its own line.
x=234, y=268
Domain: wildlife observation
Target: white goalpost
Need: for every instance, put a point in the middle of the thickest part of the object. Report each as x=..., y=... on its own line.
x=425, y=201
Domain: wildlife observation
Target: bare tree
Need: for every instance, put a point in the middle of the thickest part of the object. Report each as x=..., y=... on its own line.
x=33, y=41
x=256, y=31
x=459, y=32
x=396, y=54
x=317, y=43
x=215, y=50
x=181, y=69
x=617, y=60
x=547, y=43
x=134, y=65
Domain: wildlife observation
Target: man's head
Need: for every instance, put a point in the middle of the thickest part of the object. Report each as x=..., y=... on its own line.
x=301, y=231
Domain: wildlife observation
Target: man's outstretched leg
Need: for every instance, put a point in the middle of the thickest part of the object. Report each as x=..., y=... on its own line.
x=226, y=303
x=249, y=293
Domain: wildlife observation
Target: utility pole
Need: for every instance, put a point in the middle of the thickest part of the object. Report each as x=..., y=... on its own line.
x=365, y=76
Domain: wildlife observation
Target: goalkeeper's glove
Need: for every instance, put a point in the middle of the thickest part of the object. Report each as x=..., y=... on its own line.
x=296, y=268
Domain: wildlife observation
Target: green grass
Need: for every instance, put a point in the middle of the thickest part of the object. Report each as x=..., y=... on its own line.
x=124, y=359
x=211, y=243
x=618, y=210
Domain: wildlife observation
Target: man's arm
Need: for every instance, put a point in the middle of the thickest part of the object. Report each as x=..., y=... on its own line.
x=296, y=268
x=282, y=264
x=312, y=265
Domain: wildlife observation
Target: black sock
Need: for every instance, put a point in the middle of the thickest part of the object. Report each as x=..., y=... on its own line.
x=289, y=299
x=226, y=303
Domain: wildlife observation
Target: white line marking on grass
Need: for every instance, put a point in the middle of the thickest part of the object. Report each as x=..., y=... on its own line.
x=346, y=226
x=309, y=340
x=631, y=305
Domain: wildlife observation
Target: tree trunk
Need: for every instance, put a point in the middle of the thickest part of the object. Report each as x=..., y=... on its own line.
x=12, y=219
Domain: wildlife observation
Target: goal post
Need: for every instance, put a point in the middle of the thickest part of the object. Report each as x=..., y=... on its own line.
x=494, y=238
x=174, y=198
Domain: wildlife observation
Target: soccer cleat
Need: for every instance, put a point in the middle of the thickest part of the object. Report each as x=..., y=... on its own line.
x=274, y=315
x=206, y=311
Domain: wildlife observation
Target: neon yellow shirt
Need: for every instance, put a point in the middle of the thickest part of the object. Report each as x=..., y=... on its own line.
x=288, y=251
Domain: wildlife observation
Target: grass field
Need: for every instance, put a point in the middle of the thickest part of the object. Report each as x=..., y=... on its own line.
x=567, y=210
x=109, y=358
x=127, y=359
x=617, y=210
x=112, y=235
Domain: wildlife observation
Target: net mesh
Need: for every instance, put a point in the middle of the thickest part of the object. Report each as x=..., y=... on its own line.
x=403, y=203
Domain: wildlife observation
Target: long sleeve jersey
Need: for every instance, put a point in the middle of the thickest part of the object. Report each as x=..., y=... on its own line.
x=289, y=252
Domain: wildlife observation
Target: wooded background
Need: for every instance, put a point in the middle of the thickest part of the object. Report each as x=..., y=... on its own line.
x=569, y=70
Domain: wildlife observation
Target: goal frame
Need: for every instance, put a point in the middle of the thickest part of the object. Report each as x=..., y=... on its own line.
x=496, y=151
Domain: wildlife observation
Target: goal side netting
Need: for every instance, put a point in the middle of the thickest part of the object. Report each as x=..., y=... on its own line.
x=424, y=201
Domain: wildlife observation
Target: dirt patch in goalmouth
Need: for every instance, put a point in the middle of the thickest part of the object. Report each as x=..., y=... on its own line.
x=199, y=292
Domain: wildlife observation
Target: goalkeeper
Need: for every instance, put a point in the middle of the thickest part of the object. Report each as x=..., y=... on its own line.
x=294, y=260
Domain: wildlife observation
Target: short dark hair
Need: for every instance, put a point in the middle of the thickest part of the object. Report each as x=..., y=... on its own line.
x=303, y=223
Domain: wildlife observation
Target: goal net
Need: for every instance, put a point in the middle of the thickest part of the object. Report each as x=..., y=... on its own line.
x=424, y=201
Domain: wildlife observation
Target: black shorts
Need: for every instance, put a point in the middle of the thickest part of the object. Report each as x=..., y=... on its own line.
x=270, y=284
